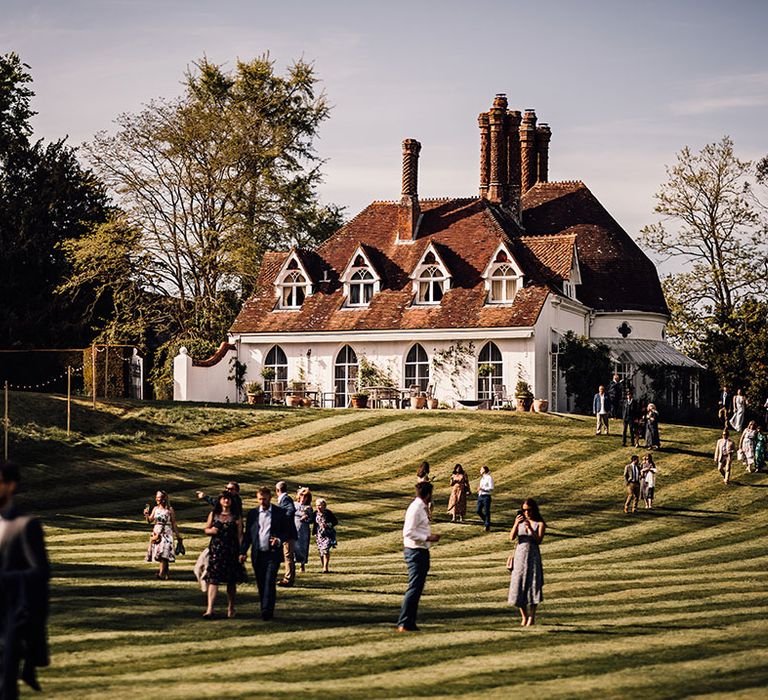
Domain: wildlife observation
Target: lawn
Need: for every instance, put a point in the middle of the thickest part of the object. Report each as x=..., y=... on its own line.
x=663, y=604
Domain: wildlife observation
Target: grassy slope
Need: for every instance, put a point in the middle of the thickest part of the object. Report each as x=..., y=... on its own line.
x=665, y=603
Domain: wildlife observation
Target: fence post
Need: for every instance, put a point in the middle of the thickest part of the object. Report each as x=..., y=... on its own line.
x=93, y=373
x=6, y=422
x=69, y=398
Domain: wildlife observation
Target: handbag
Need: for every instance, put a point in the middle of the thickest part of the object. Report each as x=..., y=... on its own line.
x=180, y=549
x=740, y=455
x=511, y=562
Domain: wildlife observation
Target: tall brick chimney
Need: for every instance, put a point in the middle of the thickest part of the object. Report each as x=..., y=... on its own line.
x=485, y=153
x=408, y=218
x=497, y=119
x=528, y=159
x=543, y=136
x=513, y=159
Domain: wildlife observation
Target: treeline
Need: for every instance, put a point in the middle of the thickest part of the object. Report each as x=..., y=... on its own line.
x=153, y=235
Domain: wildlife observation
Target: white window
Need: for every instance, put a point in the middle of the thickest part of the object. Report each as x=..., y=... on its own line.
x=569, y=289
x=294, y=290
x=504, y=281
x=345, y=375
x=431, y=286
x=489, y=360
x=361, y=287
x=417, y=367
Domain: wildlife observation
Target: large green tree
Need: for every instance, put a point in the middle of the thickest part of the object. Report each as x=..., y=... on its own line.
x=213, y=179
x=46, y=199
x=711, y=226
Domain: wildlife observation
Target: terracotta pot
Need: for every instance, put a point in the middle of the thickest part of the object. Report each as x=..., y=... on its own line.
x=256, y=399
x=293, y=401
x=419, y=402
x=434, y=403
x=306, y=402
x=540, y=405
x=523, y=403
x=360, y=402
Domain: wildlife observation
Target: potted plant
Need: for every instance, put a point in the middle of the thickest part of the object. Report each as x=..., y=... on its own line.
x=484, y=370
x=295, y=396
x=360, y=400
x=268, y=374
x=419, y=401
x=540, y=405
x=255, y=392
x=523, y=395
x=433, y=402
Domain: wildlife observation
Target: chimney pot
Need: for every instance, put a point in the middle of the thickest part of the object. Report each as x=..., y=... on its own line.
x=410, y=211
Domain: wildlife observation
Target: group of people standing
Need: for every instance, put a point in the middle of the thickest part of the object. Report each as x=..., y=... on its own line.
x=640, y=421
x=275, y=534
x=460, y=492
x=752, y=439
x=640, y=480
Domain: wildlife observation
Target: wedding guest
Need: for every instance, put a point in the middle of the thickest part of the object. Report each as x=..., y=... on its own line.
x=747, y=445
x=648, y=478
x=302, y=519
x=765, y=414
x=266, y=528
x=237, y=502
x=285, y=502
x=484, y=491
x=724, y=450
x=224, y=566
x=422, y=473
x=601, y=407
x=632, y=483
x=739, y=411
x=161, y=547
x=24, y=575
x=630, y=414
x=460, y=489
x=615, y=393
x=652, y=440
x=760, y=450
x=417, y=536
x=724, y=405
x=324, y=530
x=527, y=580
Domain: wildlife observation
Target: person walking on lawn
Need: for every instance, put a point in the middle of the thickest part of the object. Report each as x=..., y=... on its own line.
x=632, y=481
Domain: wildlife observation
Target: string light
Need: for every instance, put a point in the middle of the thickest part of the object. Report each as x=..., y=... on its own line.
x=42, y=385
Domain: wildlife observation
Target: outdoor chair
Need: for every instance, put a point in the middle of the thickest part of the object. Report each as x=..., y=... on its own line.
x=500, y=398
x=278, y=392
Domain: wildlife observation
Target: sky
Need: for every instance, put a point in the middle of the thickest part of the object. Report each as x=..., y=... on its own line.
x=623, y=85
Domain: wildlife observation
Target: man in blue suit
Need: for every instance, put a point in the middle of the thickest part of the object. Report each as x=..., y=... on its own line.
x=601, y=407
x=266, y=529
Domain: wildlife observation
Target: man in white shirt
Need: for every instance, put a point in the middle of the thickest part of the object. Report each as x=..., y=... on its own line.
x=601, y=407
x=416, y=538
x=484, y=491
x=724, y=451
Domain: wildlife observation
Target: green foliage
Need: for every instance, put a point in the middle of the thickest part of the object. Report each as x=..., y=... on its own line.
x=523, y=390
x=370, y=374
x=585, y=365
x=452, y=362
x=215, y=178
x=484, y=370
x=254, y=388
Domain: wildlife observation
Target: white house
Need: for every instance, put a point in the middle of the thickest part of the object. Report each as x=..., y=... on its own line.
x=429, y=290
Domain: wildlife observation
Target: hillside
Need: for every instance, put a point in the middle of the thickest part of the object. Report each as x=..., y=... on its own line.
x=665, y=603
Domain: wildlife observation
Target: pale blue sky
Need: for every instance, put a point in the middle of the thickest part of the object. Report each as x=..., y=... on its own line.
x=624, y=85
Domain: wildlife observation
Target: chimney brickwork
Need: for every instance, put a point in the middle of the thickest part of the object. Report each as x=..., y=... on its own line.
x=410, y=211
x=514, y=153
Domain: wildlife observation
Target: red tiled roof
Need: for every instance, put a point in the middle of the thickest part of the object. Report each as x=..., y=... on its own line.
x=466, y=233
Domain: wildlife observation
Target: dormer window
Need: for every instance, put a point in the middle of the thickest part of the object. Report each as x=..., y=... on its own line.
x=294, y=290
x=569, y=289
x=431, y=279
x=431, y=286
x=360, y=280
x=503, y=277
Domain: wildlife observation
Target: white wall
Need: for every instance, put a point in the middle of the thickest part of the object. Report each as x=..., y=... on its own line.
x=202, y=383
x=645, y=326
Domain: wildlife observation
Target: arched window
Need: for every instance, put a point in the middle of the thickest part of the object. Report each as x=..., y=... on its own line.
x=277, y=361
x=431, y=286
x=417, y=367
x=503, y=284
x=489, y=370
x=361, y=288
x=345, y=375
x=294, y=290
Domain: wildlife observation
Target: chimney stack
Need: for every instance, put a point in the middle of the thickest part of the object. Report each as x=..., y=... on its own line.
x=485, y=153
x=497, y=119
x=528, y=160
x=543, y=136
x=513, y=159
x=410, y=211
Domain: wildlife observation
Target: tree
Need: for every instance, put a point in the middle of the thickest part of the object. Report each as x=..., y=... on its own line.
x=46, y=198
x=712, y=225
x=215, y=178
x=585, y=365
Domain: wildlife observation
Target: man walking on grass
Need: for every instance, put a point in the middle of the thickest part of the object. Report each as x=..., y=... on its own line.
x=601, y=407
x=417, y=537
x=289, y=555
x=632, y=481
x=724, y=451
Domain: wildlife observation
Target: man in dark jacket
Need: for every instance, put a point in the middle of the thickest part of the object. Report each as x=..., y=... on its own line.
x=630, y=416
x=24, y=574
x=615, y=393
x=266, y=528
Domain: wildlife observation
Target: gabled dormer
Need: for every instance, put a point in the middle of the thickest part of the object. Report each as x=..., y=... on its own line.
x=431, y=277
x=293, y=283
x=574, y=278
x=503, y=277
x=360, y=279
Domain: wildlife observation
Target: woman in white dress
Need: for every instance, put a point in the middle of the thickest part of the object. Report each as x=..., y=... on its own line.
x=747, y=445
x=739, y=411
x=648, y=479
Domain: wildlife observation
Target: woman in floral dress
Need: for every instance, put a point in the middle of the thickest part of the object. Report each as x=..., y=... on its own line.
x=460, y=489
x=225, y=526
x=161, y=541
x=747, y=445
x=302, y=520
x=324, y=530
x=527, y=581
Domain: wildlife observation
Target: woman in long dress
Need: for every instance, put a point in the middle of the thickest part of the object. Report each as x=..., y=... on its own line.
x=527, y=581
x=225, y=526
x=652, y=441
x=324, y=530
x=739, y=410
x=460, y=489
x=161, y=548
x=747, y=445
x=761, y=447
x=302, y=519
x=648, y=480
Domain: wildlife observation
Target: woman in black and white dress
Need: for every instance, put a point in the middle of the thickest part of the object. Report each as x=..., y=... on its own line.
x=527, y=581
